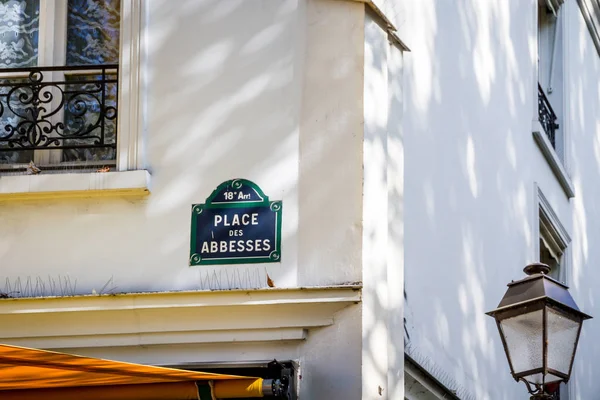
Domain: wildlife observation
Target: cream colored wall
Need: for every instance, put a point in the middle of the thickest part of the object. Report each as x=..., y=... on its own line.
x=331, y=190
x=331, y=135
x=266, y=91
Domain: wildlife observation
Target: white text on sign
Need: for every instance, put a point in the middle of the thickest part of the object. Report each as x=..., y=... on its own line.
x=236, y=220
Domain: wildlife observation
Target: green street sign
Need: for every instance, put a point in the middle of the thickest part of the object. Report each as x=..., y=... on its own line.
x=237, y=225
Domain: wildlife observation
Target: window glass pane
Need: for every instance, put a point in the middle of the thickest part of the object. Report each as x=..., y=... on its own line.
x=93, y=32
x=552, y=247
x=19, y=29
x=92, y=39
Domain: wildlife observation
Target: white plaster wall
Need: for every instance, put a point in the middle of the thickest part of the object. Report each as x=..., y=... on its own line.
x=583, y=110
x=375, y=213
x=267, y=91
x=382, y=258
x=471, y=162
x=395, y=221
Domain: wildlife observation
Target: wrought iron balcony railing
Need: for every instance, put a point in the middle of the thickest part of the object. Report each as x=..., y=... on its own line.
x=547, y=116
x=43, y=108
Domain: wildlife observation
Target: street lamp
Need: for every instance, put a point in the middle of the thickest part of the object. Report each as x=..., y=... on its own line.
x=539, y=324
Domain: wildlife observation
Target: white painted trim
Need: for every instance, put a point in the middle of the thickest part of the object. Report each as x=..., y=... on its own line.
x=560, y=29
x=566, y=121
x=162, y=338
x=52, y=43
x=395, y=40
x=131, y=86
x=45, y=186
x=591, y=15
x=553, y=160
x=548, y=211
x=135, y=319
x=170, y=300
x=536, y=60
x=554, y=5
x=542, y=203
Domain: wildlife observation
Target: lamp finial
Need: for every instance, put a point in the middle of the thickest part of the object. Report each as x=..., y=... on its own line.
x=537, y=268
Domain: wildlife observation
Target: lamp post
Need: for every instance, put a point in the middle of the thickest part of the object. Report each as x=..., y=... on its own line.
x=539, y=324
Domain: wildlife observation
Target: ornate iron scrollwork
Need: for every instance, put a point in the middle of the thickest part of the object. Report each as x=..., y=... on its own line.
x=547, y=116
x=59, y=108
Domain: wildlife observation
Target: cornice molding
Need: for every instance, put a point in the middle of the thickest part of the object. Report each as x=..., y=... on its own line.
x=135, y=319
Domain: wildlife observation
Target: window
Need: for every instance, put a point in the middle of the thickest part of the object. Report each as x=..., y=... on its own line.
x=552, y=249
x=548, y=123
x=550, y=73
x=552, y=239
x=59, y=83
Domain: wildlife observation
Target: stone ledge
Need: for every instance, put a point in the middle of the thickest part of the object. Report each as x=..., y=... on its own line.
x=73, y=185
x=168, y=318
x=554, y=161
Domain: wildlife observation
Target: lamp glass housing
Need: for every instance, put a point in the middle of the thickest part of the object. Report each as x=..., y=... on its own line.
x=563, y=333
x=539, y=324
x=540, y=341
x=524, y=339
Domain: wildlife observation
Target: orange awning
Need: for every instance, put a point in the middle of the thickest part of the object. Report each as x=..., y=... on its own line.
x=26, y=373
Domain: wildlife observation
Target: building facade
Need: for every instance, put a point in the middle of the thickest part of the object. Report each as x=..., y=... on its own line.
x=282, y=94
x=421, y=154
x=490, y=184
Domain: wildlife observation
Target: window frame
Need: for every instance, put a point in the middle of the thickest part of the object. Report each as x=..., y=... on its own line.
x=558, y=232
x=560, y=166
x=547, y=55
x=131, y=77
x=132, y=86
